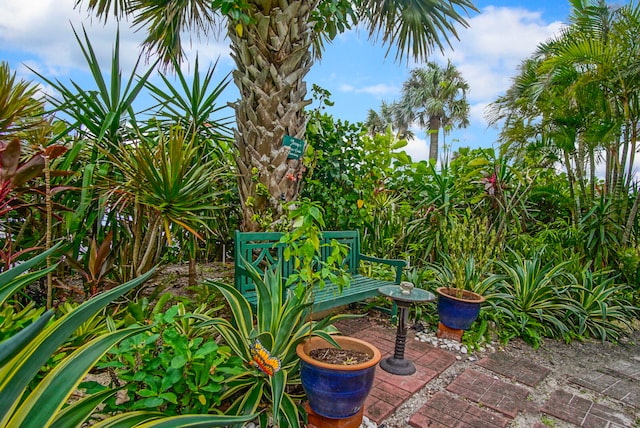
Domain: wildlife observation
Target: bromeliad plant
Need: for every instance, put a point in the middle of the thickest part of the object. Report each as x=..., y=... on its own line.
x=266, y=341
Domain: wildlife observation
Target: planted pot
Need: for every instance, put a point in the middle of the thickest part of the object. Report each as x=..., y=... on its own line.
x=337, y=391
x=458, y=309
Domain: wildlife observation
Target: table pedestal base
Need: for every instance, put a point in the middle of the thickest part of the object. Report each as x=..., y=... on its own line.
x=398, y=366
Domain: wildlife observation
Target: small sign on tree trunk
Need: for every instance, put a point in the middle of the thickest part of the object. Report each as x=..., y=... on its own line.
x=296, y=146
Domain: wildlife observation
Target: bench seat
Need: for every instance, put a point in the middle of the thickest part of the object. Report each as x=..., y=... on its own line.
x=263, y=249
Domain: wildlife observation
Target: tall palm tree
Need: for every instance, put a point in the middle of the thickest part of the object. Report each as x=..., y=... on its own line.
x=273, y=46
x=436, y=98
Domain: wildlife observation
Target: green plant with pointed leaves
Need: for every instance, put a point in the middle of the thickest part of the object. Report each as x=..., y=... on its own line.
x=165, y=178
x=539, y=296
x=278, y=324
x=273, y=45
x=605, y=313
x=100, y=113
x=23, y=354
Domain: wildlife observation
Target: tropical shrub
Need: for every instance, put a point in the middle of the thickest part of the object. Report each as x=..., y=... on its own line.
x=175, y=367
x=605, y=311
x=24, y=353
x=14, y=317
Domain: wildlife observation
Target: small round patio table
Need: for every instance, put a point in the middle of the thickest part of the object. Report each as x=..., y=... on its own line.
x=397, y=364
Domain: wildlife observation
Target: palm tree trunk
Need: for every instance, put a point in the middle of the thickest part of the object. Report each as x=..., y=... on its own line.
x=571, y=179
x=434, y=129
x=632, y=153
x=272, y=57
x=630, y=220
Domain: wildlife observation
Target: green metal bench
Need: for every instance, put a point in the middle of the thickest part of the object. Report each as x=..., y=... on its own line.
x=262, y=249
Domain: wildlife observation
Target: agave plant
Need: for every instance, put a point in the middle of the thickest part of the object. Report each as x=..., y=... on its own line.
x=23, y=354
x=266, y=341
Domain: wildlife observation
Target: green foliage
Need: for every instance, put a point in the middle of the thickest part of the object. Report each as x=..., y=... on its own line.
x=303, y=245
x=537, y=297
x=470, y=249
x=463, y=274
x=175, y=366
x=279, y=323
x=164, y=177
x=14, y=318
x=100, y=113
x=336, y=171
x=45, y=403
x=18, y=106
x=605, y=312
x=601, y=232
x=355, y=176
x=24, y=353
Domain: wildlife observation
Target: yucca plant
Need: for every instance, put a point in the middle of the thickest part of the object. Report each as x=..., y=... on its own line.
x=266, y=341
x=22, y=356
x=165, y=178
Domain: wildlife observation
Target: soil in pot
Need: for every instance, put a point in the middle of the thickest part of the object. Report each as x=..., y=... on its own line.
x=337, y=356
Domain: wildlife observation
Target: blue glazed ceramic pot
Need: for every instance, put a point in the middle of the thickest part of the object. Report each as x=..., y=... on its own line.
x=337, y=391
x=458, y=312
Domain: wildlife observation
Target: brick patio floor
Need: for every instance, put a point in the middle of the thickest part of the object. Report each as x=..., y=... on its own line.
x=494, y=391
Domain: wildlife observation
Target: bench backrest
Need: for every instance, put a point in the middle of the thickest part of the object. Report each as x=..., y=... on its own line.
x=262, y=250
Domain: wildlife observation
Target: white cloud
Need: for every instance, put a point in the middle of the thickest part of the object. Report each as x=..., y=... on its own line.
x=418, y=149
x=496, y=42
x=487, y=55
x=43, y=30
x=379, y=90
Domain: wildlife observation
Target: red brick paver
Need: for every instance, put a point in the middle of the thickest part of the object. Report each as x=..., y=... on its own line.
x=624, y=390
x=500, y=396
x=516, y=369
x=390, y=391
x=444, y=410
x=475, y=399
x=583, y=412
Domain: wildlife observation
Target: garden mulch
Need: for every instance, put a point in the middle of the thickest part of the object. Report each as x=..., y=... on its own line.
x=499, y=389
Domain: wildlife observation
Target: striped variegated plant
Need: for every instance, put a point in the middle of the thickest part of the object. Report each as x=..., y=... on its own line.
x=45, y=404
x=278, y=324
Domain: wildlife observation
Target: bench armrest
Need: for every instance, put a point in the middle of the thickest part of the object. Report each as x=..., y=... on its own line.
x=398, y=264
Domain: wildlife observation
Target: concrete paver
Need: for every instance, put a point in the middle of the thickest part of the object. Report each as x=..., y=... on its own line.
x=624, y=390
x=630, y=369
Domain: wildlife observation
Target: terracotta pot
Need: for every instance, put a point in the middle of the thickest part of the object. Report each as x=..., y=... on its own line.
x=458, y=312
x=337, y=391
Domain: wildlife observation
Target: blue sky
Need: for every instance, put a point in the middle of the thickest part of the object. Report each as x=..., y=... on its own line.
x=354, y=69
